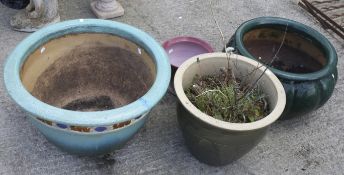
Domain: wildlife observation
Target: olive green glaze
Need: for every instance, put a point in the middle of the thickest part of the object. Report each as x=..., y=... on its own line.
x=213, y=145
x=214, y=141
x=305, y=92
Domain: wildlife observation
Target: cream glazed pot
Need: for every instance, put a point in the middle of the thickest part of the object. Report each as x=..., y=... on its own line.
x=217, y=142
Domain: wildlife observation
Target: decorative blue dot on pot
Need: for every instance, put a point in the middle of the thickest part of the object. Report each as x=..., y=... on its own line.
x=100, y=129
x=63, y=126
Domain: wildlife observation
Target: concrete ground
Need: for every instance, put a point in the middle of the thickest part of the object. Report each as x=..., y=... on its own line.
x=312, y=144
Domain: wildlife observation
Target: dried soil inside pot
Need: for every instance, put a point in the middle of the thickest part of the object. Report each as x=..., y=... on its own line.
x=297, y=55
x=88, y=72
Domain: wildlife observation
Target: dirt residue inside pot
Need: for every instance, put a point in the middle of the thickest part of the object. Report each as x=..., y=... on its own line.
x=91, y=104
x=94, y=77
x=297, y=54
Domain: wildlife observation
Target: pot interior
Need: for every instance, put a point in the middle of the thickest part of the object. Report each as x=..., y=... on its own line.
x=299, y=53
x=88, y=72
x=244, y=71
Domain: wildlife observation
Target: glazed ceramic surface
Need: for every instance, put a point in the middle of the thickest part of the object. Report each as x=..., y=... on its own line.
x=34, y=69
x=180, y=49
x=305, y=91
x=217, y=142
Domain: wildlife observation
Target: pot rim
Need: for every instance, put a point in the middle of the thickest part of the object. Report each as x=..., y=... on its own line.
x=266, y=121
x=35, y=107
x=329, y=50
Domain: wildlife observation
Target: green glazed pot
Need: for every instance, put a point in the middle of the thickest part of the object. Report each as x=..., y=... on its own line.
x=214, y=141
x=305, y=91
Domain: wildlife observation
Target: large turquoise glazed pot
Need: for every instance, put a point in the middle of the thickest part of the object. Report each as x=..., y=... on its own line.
x=306, y=90
x=87, y=85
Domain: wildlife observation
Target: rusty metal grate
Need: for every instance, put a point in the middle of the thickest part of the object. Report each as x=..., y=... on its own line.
x=330, y=13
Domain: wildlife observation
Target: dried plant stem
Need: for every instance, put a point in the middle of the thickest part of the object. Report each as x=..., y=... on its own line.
x=224, y=44
x=205, y=92
x=217, y=95
x=244, y=77
x=221, y=33
x=269, y=65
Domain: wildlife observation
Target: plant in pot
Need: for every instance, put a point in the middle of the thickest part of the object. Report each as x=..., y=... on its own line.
x=226, y=103
x=87, y=85
x=306, y=63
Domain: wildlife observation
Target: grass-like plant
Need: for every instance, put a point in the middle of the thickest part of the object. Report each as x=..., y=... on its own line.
x=216, y=95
